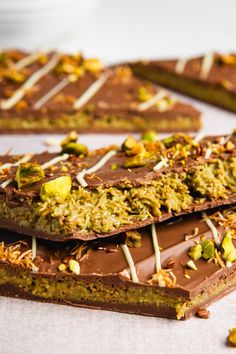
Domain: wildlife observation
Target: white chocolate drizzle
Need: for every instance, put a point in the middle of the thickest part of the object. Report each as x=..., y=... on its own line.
x=130, y=262
x=162, y=163
x=7, y=165
x=157, y=97
x=207, y=63
x=54, y=161
x=156, y=249
x=99, y=164
x=212, y=228
x=34, y=247
x=91, y=91
x=24, y=159
x=208, y=153
x=180, y=65
x=198, y=138
x=54, y=91
x=29, y=83
x=29, y=59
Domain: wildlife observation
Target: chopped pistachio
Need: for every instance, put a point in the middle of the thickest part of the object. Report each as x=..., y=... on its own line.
x=150, y=135
x=29, y=173
x=114, y=166
x=195, y=252
x=133, y=238
x=191, y=265
x=140, y=159
x=74, y=266
x=72, y=137
x=75, y=149
x=14, y=76
x=208, y=249
x=57, y=188
x=128, y=144
x=144, y=94
x=168, y=140
x=92, y=65
x=229, y=251
x=232, y=337
x=62, y=267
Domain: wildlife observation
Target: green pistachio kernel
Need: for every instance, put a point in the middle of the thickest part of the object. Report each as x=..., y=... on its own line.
x=128, y=144
x=229, y=251
x=74, y=266
x=232, y=337
x=195, y=252
x=144, y=94
x=133, y=238
x=57, y=188
x=168, y=140
x=140, y=160
x=150, y=135
x=72, y=137
x=114, y=166
x=208, y=249
x=75, y=149
x=191, y=265
x=29, y=173
x=62, y=267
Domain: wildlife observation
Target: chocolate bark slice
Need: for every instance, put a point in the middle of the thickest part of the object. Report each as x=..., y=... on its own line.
x=62, y=196
x=211, y=78
x=54, y=92
x=128, y=273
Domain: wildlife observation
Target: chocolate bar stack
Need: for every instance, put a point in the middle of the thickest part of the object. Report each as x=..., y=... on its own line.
x=145, y=228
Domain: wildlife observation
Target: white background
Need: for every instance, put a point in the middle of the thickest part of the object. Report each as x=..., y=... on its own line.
x=117, y=31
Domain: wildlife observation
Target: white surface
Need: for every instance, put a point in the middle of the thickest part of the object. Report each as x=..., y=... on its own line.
x=120, y=30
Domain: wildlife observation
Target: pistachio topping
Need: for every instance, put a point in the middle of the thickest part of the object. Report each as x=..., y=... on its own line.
x=229, y=251
x=71, y=137
x=195, y=252
x=62, y=267
x=58, y=188
x=29, y=173
x=133, y=238
x=75, y=149
x=74, y=266
x=150, y=135
x=208, y=249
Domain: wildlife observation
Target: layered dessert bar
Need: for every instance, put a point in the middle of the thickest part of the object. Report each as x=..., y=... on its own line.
x=55, y=92
x=169, y=270
x=84, y=195
x=211, y=77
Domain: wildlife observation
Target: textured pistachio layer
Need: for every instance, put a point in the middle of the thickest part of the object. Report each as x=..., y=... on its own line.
x=84, y=121
x=104, y=210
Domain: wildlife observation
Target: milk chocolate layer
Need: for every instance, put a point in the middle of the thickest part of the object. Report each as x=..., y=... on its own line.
x=23, y=211
x=114, y=107
x=105, y=280
x=216, y=86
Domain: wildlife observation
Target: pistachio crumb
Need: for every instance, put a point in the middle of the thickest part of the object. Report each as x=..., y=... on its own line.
x=62, y=267
x=133, y=238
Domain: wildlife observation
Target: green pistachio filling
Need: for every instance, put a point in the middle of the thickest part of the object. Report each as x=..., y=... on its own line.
x=77, y=289
x=106, y=209
x=85, y=121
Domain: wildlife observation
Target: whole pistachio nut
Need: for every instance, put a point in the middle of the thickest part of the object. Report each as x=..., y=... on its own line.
x=75, y=149
x=150, y=135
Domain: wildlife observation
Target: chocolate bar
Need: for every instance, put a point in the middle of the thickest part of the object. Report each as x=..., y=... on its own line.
x=66, y=196
x=211, y=78
x=54, y=92
x=169, y=270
